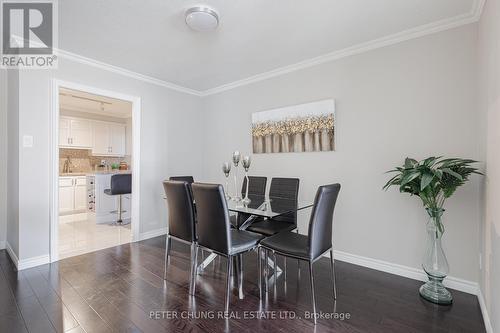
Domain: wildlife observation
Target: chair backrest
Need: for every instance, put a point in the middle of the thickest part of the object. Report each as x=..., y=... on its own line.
x=321, y=221
x=285, y=191
x=181, y=216
x=121, y=184
x=187, y=179
x=286, y=188
x=257, y=186
x=213, y=217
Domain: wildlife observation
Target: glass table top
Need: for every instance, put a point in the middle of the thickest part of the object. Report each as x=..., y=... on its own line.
x=267, y=206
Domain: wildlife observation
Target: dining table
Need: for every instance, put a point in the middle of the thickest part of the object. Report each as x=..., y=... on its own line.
x=257, y=208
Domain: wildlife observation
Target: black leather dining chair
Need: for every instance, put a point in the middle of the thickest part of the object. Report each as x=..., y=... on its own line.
x=313, y=246
x=181, y=221
x=257, y=187
x=284, y=191
x=214, y=231
x=187, y=179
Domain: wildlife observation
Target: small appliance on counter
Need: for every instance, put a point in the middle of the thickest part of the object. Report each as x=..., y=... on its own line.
x=103, y=166
x=123, y=166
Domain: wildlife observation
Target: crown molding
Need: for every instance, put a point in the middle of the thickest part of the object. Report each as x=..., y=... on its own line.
x=115, y=69
x=125, y=72
x=420, y=31
x=477, y=8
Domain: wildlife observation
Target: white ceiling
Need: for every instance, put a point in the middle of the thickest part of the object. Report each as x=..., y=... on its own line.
x=84, y=102
x=254, y=36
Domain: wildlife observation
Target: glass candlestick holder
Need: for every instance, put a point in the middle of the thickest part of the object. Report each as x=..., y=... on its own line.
x=226, y=168
x=246, y=165
x=236, y=161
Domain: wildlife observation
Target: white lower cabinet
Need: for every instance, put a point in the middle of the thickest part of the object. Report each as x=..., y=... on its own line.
x=66, y=195
x=72, y=194
x=80, y=194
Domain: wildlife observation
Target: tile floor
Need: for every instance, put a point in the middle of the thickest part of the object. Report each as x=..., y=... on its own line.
x=79, y=234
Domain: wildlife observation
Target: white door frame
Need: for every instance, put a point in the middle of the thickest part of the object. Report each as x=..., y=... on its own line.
x=54, y=157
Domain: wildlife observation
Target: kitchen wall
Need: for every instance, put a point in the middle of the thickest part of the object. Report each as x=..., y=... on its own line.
x=3, y=157
x=416, y=98
x=83, y=161
x=171, y=132
x=489, y=90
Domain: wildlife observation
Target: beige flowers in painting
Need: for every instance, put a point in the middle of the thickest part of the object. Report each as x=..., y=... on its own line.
x=293, y=133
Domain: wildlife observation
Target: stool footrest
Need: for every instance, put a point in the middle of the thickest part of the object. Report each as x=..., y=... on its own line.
x=117, y=212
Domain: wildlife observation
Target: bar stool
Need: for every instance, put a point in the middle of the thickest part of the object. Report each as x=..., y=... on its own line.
x=120, y=184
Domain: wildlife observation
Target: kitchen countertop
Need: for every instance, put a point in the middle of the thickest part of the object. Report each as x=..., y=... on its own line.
x=95, y=172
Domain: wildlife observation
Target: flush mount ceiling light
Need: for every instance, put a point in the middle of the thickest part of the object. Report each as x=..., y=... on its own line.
x=202, y=18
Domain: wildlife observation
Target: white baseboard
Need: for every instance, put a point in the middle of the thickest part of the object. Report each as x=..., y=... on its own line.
x=409, y=272
x=484, y=311
x=152, y=233
x=33, y=262
x=11, y=253
x=26, y=263
x=2, y=245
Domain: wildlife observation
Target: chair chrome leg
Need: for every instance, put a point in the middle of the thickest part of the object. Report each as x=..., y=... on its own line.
x=312, y=289
x=284, y=268
x=259, y=260
x=298, y=260
x=332, y=260
x=240, y=276
x=167, y=250
x=194, y=270
x=275, y=273
x=228, y=282
x=120, y=221
x=266, y=270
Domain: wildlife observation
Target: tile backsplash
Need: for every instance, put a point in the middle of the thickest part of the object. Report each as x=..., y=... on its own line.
x=83, y=161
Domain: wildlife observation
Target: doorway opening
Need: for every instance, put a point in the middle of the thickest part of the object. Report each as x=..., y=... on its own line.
x=95, y=145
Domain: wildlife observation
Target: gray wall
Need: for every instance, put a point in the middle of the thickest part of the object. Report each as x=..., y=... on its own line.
x=489, y=87
x=3, y=157
x=415, y=98
x=13, y=160
x=170, y=132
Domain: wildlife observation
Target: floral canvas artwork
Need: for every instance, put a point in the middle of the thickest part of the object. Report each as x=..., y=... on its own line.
x=300, y=128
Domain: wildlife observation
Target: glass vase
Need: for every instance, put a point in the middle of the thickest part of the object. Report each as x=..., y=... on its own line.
x=435, y=263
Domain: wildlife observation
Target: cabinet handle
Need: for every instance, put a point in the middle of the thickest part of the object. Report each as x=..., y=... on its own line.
x=68, y=141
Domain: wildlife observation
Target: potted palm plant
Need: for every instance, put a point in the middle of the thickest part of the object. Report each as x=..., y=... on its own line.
x=433, y=180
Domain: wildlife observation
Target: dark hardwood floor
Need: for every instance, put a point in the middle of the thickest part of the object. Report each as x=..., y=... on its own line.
x=116, y=290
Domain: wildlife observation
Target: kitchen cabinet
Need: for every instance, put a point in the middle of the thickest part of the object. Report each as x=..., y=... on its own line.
x=72, y=194
x=109, y=139
x=80, y=194
x=66, y=195
x=75, y=133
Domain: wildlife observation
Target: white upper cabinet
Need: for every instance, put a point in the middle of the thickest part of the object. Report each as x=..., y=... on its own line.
x=101, y=139
x=117, y=139
x=109, y=139
x=81, y=133
x=75, y=133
